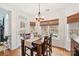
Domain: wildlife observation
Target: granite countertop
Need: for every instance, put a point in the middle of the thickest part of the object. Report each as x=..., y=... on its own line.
x=76, y=38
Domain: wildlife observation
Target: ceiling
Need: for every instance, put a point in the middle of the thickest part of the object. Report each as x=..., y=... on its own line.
x=32, y=8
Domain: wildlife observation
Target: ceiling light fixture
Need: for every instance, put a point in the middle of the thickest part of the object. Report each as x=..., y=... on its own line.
x=39, y=17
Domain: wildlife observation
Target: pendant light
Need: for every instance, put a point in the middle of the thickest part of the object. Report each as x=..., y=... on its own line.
x=39, y=17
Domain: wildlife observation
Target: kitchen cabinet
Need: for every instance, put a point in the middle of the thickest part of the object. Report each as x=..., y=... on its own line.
x=74, y=47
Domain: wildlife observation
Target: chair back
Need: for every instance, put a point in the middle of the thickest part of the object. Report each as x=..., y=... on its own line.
x=27, y=36
x=50, y=39
x=46, y=40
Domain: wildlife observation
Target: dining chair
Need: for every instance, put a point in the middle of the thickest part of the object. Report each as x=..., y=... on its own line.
x=47, y=46
x=33, y=49
x=50, y=45
x=26, y=49
x=28, y=46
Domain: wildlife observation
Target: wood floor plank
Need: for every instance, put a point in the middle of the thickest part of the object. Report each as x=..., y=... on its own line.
x=17, y=52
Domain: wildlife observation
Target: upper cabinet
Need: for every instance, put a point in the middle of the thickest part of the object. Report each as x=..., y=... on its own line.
x=73, y=22
x=73, y=18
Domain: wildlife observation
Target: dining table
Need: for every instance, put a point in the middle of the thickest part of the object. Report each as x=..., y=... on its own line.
x=28, y=43
x=39, y=46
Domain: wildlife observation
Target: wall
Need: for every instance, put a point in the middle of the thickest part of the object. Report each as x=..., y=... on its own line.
x=62, y=13
x=64, y=39
x=70, y=10
x=14, y=22
x=62, y=27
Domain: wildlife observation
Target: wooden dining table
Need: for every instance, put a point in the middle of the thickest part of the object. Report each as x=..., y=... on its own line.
x=39, y=47
x=28, y=43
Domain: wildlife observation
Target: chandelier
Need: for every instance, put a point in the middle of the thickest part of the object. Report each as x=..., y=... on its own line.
x=39, y=17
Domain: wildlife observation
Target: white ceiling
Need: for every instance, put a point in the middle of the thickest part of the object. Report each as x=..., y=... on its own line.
x=48, y=10
x=32, y=8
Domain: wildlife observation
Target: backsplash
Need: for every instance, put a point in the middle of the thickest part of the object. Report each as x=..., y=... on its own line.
x=74, y=28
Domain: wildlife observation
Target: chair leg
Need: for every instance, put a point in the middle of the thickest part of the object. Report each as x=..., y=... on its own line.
x=31, y=52
x=50, y=51
x=45, y=51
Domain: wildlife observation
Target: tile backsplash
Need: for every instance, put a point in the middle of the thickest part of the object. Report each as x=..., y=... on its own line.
x=74, y=28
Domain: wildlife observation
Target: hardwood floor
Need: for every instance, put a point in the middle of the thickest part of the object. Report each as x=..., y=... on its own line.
x=60, y=52
x=17, y=52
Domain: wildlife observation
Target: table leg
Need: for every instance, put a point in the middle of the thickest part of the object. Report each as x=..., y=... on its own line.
x=39, y=50
x=22, y=48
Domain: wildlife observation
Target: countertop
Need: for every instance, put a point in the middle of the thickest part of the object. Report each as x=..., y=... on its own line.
x=76, y=38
